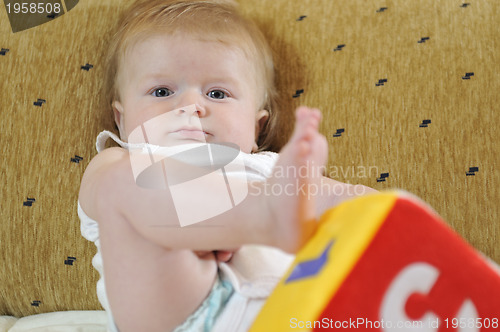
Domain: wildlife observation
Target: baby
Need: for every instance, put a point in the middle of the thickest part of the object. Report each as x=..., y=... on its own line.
x=188, y=74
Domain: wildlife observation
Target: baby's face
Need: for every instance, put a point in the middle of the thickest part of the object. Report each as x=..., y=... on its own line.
x=184, y=90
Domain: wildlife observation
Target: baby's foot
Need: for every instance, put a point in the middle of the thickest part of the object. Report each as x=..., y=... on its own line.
x=295, y=180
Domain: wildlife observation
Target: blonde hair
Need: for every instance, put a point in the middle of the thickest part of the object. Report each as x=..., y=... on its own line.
x=210, y=20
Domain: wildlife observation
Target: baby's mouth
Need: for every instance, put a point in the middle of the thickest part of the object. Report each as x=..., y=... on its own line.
x=191, y=133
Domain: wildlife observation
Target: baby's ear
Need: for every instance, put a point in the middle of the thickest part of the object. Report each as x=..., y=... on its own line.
x=261, y=119
x=118, y=113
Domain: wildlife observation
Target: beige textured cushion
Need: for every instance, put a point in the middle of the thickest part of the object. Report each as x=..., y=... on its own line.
x=409, y=101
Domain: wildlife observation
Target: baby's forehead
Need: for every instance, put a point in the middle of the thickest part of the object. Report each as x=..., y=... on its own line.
x=225, y=47
x=231, y=43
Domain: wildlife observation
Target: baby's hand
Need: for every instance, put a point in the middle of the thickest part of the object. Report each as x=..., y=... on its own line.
x=224, y=255
x=220, y=255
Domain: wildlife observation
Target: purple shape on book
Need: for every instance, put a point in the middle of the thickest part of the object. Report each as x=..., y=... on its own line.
x=311, y=267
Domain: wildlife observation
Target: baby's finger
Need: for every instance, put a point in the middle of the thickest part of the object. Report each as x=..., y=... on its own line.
x=223, y=255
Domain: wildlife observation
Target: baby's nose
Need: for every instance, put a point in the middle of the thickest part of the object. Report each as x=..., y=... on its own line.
x=193, y=109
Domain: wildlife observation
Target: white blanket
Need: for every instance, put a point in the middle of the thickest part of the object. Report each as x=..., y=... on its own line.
x=61, y=321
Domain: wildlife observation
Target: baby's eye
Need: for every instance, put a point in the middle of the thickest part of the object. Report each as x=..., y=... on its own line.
x=162, y=92
x=217, y=94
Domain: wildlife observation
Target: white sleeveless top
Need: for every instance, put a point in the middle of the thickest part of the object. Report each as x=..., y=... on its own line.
x=253, y=271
